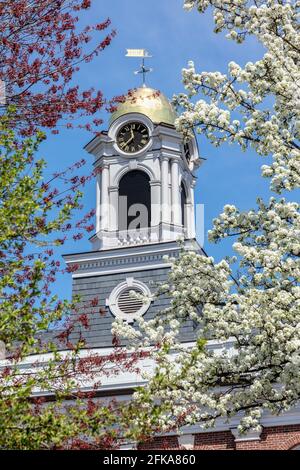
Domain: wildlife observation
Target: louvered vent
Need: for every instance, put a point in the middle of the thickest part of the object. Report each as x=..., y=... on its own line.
x=127, y=303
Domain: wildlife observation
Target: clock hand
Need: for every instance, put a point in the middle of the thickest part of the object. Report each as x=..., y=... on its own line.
x=126, y=143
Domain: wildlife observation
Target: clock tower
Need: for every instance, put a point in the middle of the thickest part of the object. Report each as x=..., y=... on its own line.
x=144, y=204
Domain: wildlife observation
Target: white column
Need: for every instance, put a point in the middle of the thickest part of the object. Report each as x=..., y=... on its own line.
x=113, y=208
x=191, y=229
x=104, y=197
x=155, y=202
x=165, y=206
x=98, y=201
x=176, y=201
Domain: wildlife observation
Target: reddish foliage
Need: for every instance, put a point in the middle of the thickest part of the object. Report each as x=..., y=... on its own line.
x=41, y=50
x=6, y=372
x=94, y=302
x=83, y=319
x=102, y=311
x=72, y=268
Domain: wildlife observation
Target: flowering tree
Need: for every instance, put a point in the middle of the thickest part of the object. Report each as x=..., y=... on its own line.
x=41, y=50
x=246, y=310
x=44, y=365
x=42, y=371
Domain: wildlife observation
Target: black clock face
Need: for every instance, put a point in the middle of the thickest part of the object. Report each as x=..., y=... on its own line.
x=133, y=137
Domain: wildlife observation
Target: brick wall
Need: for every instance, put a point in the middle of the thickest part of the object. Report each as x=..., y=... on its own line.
x=214, y=441
x=272, y=438
x=160, y=443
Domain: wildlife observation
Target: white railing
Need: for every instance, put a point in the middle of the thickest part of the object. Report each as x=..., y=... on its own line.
x=134, y=237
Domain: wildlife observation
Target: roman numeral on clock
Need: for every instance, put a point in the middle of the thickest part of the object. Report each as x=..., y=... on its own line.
x=132, y=137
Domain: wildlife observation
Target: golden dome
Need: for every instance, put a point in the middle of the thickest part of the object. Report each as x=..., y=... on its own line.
x=147, y=101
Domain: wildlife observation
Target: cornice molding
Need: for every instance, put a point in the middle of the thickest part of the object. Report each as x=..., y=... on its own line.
x=149, y=261
x=126, y=259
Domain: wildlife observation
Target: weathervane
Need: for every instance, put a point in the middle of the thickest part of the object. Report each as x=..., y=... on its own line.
x=145, y=55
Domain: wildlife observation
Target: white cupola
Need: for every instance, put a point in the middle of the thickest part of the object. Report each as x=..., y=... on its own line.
x=145, y=184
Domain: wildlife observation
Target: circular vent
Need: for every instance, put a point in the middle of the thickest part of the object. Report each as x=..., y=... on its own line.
x=127, y=303
x=123, y=304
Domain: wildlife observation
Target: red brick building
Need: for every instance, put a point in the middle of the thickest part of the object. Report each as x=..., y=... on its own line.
x=271, y=438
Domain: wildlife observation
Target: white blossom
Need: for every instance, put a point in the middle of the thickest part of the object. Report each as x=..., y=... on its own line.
x=248, y=306
x=271, y=129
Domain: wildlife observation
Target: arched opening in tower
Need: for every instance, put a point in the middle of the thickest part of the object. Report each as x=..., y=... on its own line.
x=134, y=201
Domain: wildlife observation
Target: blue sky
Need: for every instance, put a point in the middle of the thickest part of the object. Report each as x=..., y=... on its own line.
x=173, y=36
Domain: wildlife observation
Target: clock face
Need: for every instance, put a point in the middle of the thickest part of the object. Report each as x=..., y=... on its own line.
x=133, y=137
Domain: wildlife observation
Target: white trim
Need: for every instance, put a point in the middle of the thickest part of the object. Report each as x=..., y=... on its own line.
x=187, y=441
x=134, y=258
x=133, y=165
x=128, y=380
x=128, y=446
x=175, y=193
x=123, y=270
x=112, y=301
x=126, y=119
x=249, y=436
x=119, y=253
